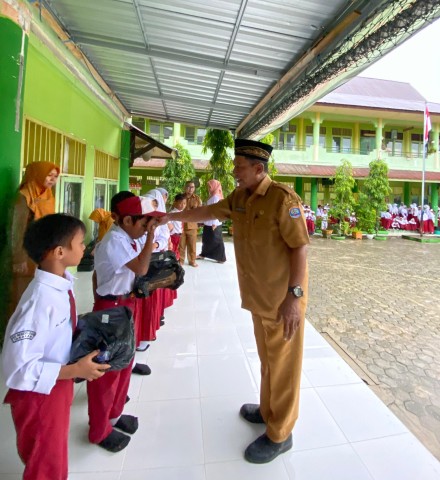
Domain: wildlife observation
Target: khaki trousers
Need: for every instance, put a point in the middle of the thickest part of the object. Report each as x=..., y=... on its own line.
x=188, y=241
x=281, y=363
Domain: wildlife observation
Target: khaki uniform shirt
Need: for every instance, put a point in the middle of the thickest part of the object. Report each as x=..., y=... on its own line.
x=193, y=201
x=267, y=225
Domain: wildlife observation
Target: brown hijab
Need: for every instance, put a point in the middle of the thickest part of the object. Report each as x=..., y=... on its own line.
x=39, y=199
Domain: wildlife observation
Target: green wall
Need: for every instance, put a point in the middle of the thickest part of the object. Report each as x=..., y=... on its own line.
x=10, y=146
x=56, y=98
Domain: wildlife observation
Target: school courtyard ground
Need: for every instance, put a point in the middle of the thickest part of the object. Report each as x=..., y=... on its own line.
x=370, y=399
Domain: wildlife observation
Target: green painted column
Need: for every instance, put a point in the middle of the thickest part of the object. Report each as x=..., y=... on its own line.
x=314, y=194
x=406, y=193
x=12, y=67
x=124, y=163
x=316, y=131
x=299, y=186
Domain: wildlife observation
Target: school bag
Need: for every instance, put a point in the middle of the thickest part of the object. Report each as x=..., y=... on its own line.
x=164, y=271
x=110, y=331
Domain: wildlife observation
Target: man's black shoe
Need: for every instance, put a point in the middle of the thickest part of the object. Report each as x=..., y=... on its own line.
x=127, y=423
x=115, y=442
x=141, y=369
x=251, y=413
x=263, y=450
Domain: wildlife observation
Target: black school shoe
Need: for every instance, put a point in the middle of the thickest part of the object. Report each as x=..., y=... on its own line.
x=115, y=442
x=263, y=450
x=251, y=413
x=127, y=423
x=141, y=369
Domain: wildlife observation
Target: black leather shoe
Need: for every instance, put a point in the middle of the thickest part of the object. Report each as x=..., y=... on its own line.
x=127, y=423
x=263, y=450
x=251, y=413
x=115, y=442
x=141, y=369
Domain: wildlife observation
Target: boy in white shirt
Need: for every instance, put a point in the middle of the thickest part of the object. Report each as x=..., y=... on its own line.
x=176, y=232
x=37, y=349
x=118, y=258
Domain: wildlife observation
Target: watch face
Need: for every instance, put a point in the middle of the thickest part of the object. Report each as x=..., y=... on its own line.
x=298, y=292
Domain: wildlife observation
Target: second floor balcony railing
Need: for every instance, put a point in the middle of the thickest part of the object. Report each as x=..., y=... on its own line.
x=289, y=146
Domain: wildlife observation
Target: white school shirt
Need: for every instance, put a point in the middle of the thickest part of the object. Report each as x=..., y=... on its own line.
x=177, y=225
x=211, y=201
x=161, y=236
x=38, y=337
x=112, y=254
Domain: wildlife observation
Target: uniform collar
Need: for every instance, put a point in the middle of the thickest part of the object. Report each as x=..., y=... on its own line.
x=121, y=231
x=55, y=281
x=263, y=186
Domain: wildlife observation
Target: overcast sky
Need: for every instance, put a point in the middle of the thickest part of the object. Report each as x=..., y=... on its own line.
x=416, y=61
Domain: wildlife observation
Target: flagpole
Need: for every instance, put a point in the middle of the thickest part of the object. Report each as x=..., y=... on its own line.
x=423, y=171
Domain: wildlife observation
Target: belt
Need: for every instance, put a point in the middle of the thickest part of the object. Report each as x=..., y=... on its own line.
x=116, y=297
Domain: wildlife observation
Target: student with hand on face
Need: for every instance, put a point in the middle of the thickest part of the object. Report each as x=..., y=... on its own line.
x=118, y=258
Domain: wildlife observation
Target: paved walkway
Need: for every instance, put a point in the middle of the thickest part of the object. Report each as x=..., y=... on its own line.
x=205, y=365
x=380, y=302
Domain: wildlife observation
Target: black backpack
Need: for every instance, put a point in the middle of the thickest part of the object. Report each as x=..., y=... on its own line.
x=164, y=271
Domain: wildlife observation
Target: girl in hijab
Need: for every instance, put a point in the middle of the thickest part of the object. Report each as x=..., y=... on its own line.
x=212, y=239
x=151, y=308
x=35, y=200
x=104, y=220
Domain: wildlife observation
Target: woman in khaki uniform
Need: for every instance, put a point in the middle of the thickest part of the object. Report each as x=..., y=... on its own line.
x=270, y=240
x=188, y=239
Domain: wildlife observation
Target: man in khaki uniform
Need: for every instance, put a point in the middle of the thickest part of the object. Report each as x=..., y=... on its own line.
x=188, y=239
x=270, y=240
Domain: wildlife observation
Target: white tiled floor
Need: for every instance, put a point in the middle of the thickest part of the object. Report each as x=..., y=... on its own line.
x=205, y=366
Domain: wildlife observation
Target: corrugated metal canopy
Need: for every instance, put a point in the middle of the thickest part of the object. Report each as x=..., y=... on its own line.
x=211, y=62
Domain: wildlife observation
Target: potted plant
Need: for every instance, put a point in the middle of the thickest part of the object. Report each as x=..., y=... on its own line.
x=343, y=201
x=366, y=216
x=356, y=233
x=327, y=233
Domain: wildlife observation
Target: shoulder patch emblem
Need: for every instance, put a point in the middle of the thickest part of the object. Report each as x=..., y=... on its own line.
x=23, y=335
x=295, y=212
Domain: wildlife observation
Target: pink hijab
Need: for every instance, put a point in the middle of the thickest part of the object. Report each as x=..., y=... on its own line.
x=215, y=188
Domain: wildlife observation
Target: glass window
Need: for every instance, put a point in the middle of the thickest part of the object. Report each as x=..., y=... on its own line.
x=155, y=130
x=167, y=131
x=112, y=191
x=99, y=200
x=190, y=134
x=201, y=132
x=72, y=198
x=287, y=140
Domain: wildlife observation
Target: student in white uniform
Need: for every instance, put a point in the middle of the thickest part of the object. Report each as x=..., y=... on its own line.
x=118, y=258
x=37, y=349
x=176, y=232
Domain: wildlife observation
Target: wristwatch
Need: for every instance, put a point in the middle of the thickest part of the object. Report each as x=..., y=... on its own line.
x=296, y=291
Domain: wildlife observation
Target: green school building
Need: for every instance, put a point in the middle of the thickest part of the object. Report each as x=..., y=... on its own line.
x=56, y=107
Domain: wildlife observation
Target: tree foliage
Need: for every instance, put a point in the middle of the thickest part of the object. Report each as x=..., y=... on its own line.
x=376, y=187
x=220, y=164
x=177, y=172
x=365, y=214
x=344, y=200
x=268, y=139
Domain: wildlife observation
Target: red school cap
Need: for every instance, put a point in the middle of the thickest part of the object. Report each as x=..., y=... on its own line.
x=138, y=206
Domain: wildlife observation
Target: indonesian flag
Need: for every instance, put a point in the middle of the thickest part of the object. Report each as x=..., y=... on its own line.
x=428, y=126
